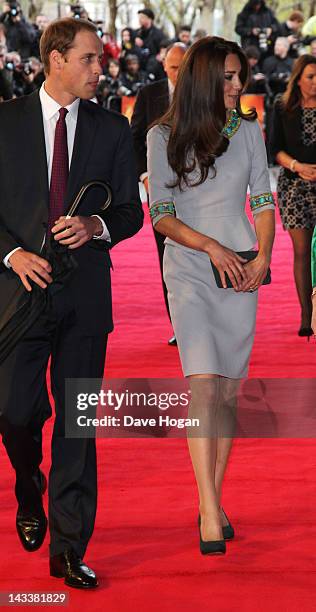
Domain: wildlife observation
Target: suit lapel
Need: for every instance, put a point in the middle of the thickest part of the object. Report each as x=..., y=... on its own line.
x=84, y=137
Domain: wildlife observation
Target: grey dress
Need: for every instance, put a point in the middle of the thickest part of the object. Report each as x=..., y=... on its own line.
x=214, y=327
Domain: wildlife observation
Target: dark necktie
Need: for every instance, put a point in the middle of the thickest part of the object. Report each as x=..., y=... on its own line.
x=60, y=171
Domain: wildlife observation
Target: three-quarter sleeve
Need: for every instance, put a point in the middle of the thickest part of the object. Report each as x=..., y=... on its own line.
x=261, y=197
x=314, y=258
x=160, y=175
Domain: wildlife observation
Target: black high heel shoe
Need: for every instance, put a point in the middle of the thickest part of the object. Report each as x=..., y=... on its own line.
x=228, y=530
x=305, y=332
x=211, y=547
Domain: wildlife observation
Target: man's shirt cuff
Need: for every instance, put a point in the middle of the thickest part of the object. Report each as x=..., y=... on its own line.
x=7, y=257
x=105, y=233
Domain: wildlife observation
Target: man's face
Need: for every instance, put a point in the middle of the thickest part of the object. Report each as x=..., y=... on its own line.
x=296, y=25
x=172, y=63
x=280, y=49
x=132, y=66
x=42, y=22
x=80, y=68
x=184, y=37
x=144, y=21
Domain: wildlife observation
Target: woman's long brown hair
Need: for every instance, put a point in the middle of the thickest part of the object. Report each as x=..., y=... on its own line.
x=197, y=114
x=292, y=97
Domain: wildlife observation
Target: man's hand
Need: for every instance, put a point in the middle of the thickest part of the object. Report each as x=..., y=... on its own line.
x=28, y=265
x=75, y=231
x=145, y=183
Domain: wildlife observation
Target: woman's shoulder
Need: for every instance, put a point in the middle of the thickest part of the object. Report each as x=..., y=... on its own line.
x=158, y=133
x=252, y=127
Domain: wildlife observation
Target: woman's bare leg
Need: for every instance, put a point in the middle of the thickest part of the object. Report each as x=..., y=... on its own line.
x=203, y=451
x=226, y=418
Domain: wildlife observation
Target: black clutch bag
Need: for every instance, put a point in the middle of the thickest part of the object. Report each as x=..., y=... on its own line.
x=249, y=255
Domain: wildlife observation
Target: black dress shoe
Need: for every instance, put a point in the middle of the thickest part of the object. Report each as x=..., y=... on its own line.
x=172, y=341
x=31, y=526
x=31, y=522
x=228, y=530
x=68, y=565
x=211, y=547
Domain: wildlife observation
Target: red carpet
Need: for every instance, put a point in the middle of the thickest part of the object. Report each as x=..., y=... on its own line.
x=145, y=546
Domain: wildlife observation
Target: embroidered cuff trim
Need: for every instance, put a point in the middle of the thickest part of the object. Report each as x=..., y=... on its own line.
x=261, y=200
x=162, y=208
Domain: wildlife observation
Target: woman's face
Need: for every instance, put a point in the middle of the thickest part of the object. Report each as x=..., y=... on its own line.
x=307, y=81
x=113, y=70
x=126, y=37
x=232, y=83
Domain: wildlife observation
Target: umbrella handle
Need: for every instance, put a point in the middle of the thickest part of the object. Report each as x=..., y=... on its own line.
x=74, y=206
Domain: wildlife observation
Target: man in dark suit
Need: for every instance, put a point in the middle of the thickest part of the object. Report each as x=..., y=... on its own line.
x=52, y=142
x=151, y=103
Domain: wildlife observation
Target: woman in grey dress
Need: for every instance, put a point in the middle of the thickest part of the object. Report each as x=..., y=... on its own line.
x=202, y=156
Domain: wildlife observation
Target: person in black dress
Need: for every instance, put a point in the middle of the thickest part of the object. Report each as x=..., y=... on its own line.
x=294, y=148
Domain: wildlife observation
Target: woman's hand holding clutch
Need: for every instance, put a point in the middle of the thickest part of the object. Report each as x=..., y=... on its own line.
x=256, y=272
x=228, y=261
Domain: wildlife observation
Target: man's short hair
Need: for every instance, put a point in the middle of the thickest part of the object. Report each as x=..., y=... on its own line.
x=297, y=16
x=252, y=52
x=185, y=28
x=60, y=35
x=148, y=12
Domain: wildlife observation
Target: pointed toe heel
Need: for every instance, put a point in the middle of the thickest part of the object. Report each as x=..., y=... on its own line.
x=228, y=530
x=211, y=547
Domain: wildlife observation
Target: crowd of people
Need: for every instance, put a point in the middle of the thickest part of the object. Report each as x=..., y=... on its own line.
x=138, y=57
x=128, y=64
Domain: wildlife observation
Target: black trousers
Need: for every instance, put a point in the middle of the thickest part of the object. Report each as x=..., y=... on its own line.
x=24, y=408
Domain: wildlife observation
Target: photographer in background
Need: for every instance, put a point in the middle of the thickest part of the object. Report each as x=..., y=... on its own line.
x=133, y=78
x=258, y=83
x=155, y=65
x=40, y=25
x=148, y=36
x=291, y=29
x=24, y=76
x=278, y=67
x=20, y=35
x=6, y=91
x=257, y=26
x=79, y=12
x=109, y=83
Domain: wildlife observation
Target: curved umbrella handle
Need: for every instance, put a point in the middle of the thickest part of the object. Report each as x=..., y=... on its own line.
x=76, y=203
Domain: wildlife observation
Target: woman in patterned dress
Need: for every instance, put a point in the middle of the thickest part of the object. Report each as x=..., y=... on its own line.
x=202, y=156
x=294, y=148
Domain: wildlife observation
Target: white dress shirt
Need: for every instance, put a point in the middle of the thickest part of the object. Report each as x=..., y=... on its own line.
x=50, y=110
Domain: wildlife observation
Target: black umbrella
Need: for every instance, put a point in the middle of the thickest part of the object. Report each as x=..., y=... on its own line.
x=23, y=307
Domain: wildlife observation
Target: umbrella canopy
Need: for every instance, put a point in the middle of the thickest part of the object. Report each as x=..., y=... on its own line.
x=22, y=308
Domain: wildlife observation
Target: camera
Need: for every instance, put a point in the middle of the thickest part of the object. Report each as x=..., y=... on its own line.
x=15, y=10
x=26, y=68
x=76, y=10
x=263, y=40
